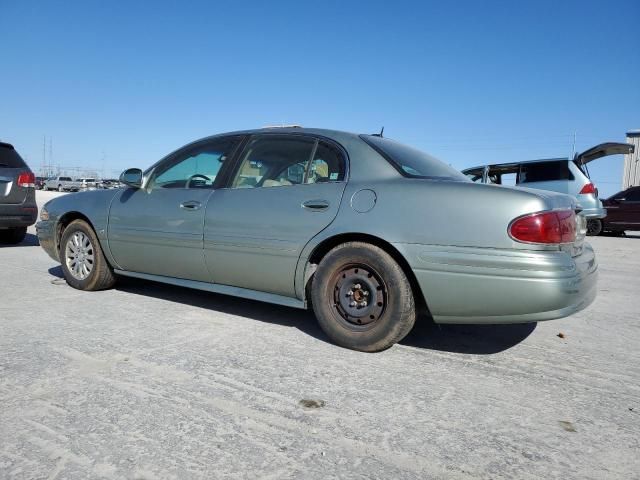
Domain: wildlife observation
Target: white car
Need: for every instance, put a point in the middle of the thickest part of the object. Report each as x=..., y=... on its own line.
x=87, y=183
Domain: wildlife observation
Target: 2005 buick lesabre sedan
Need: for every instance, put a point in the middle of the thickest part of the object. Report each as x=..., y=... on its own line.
x=365, y=230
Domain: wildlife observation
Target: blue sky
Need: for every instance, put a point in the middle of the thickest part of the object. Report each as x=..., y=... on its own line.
x=119, y=84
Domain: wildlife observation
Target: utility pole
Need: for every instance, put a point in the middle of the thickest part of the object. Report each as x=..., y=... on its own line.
x=573, y=149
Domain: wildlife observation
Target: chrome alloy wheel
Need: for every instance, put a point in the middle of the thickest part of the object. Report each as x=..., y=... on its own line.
x=79, y=255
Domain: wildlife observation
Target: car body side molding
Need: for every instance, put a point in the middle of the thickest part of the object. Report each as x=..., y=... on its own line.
x=218, y=288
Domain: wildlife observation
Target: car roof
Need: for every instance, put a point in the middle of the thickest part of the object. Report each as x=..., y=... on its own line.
x=336, y=135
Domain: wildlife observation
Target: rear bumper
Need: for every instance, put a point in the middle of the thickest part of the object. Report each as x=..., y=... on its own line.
x=20, y=215
x=593, y=213
x=482, y=286
x=591, y=206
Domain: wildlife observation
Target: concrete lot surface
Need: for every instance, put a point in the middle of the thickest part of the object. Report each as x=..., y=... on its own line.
x=149, y=381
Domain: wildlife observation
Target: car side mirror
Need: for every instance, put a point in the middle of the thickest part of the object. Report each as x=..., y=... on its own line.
x=132, y=177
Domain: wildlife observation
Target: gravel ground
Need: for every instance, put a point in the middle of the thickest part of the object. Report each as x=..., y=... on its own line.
x=150, y=381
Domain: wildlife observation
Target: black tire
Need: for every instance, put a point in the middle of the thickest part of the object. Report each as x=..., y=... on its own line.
x=100, y=276
x=380, y=323
x=13, y=236
x=594, y=227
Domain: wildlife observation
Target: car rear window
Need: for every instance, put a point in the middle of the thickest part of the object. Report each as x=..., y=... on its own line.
x=411, y=162
x=545, y=172
x=9, y=158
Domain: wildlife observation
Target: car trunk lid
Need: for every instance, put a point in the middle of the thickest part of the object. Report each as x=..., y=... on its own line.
x=603, y=150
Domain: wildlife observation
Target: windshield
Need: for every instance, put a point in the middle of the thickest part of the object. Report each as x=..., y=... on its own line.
x=411, y=162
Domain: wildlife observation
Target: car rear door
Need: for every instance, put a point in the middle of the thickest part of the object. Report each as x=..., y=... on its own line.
x=285, y=190
x=11, y=166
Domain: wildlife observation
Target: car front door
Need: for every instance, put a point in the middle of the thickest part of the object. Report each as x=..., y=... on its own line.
x=158, y=229
x=285, y=190
x=623, y=211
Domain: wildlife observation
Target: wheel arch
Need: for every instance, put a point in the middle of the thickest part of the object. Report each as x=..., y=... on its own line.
x=326, y=245
x=65, y=220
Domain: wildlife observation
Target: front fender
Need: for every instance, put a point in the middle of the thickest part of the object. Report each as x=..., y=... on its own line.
x=91, y=205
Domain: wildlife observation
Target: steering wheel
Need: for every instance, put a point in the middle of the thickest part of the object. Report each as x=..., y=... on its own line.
x=193, y=177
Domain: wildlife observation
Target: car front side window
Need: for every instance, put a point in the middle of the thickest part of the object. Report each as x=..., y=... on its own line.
x=632, y=196
x=197, y=167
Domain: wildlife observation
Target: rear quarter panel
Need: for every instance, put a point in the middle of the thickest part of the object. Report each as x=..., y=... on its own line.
x=429, y=212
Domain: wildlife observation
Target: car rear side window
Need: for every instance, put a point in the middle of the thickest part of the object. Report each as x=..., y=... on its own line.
x=281, y=160
x=327, y=165
x=545, y=172
x=9, y=158
x=411, y=162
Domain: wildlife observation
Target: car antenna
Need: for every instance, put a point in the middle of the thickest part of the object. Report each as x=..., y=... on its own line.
x=379, y=134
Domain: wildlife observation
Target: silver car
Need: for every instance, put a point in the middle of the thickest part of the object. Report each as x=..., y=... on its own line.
x=366, y=231
x=557, y=175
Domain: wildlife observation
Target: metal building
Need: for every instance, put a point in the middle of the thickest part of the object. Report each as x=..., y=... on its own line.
x=631, y=173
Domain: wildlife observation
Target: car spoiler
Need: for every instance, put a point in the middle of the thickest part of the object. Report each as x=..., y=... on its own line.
x=603, y=150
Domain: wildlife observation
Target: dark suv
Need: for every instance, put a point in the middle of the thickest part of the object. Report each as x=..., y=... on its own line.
x=18, y=207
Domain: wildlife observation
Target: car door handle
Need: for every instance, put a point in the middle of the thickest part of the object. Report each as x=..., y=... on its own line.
x=191, y=205
x=315, y=205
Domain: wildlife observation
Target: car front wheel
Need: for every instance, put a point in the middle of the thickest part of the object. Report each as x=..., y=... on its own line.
x=362, y=298
x=83, y=263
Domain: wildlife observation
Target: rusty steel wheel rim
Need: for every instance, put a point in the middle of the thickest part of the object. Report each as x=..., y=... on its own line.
x=359, y=296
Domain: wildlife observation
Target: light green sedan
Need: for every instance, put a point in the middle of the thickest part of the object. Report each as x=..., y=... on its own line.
x=363, y=229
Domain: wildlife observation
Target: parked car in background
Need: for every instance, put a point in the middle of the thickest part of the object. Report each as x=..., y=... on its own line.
x=61, y=184
x=111, y=183
x=623, y=211
x=558, y=175
x=365, y=230
x=86, y=183
x=18, y=207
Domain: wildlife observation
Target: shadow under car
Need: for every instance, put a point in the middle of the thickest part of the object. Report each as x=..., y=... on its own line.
x=468, y=339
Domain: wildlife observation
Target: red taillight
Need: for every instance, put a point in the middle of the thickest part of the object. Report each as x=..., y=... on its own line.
x=27, y=179
x=588, y=188
x=545, y=227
